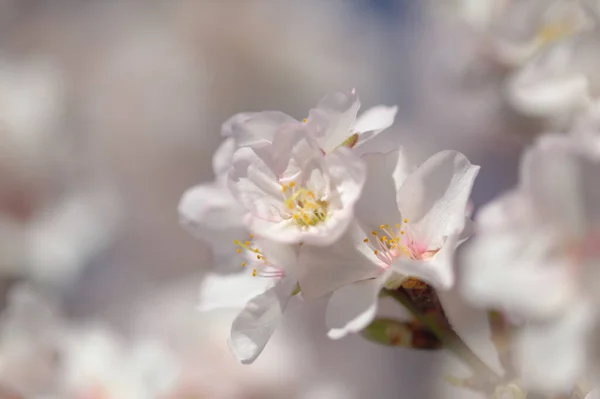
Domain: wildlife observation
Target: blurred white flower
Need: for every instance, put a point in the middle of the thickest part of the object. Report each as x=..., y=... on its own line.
x=51, y=224
x=262, y=292
x=30, y=329
x=95, y=363
x=410, y=220
x=561, y=85
x=513, y=31
x=43, y=355
x=535, y=259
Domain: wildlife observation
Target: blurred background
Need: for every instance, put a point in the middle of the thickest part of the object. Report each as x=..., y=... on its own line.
x=109, y=110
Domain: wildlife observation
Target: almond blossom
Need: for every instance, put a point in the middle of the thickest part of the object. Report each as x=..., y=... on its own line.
x=293, y=193
x=535, y=259
x=214, y=212
x=409, y=222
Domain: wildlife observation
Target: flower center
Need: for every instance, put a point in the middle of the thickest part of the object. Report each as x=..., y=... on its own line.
x=302, y=206
x=555, y=31
x=391, y=243
x=261, y=266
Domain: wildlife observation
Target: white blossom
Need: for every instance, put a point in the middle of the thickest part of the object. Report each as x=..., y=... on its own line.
x=534, y=259
x=409, y=222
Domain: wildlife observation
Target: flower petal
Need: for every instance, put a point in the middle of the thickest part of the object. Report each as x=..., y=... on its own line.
x=219, y=291
x=352, y=307
x=254, y=184
x=253, y=327
x=334, y=118
x=322, y=270
x=228, y=126
x=258, y=129
x=552, y=356
x=222, y=158
x=209, y=207
x=377, y=204
x=436, y=195
x=560, y=179
x=373, y=121
x=502, y=269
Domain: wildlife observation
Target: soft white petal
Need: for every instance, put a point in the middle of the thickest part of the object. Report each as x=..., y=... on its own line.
x=228, y=126
x=280, y=255
x=353, y=307
x=334, y=118
x=436, y=195
x=377, y=204
x=211, y=214
x=502, y=269
x=373, y=121
x=253, y=327
x=322, y=270
x=207, y=208
x=473, y=327
x=552, y=356
x=560, y=177
x=221, y=161
x=219, y=291
x=259, y=129
x=594, y=394
x=255, y=186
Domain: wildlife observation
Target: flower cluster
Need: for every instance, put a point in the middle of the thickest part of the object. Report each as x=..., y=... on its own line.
x=301, y=214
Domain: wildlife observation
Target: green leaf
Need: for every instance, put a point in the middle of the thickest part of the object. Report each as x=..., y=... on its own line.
x=391, y=332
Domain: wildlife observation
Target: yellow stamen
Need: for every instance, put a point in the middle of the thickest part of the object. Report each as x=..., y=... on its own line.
x=239, y=250
x=243, y=264
x=292, y=184
x=405, y=220
x=283, y=188
x=366, y=240
x=375, y=252
x=253, y=272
